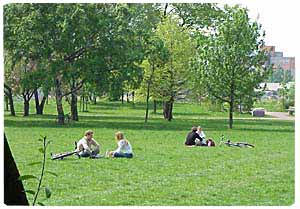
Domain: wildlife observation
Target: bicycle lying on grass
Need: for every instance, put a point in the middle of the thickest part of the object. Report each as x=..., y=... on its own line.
x=236, y=144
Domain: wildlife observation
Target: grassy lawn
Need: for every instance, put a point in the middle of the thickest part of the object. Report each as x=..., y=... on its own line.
x=162, y=171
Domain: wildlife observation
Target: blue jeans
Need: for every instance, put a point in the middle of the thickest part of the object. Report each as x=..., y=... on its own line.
x=127, y=155
x=87, y=153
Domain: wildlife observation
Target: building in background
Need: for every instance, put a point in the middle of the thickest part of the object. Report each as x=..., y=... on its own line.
x=278, y=61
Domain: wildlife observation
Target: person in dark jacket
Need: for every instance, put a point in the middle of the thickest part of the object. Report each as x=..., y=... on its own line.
x=192, y=136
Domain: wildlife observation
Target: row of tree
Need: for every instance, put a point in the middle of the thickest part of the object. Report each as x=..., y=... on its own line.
x=156, y=50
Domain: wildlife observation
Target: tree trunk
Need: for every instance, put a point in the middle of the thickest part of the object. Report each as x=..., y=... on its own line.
x=59, y=107
x=39, y=106
x=11, y=105
x=231, y=114
x=13, y=188
x=167, y=110
x=95, y=99
x=147, y=101
x=122, y=97
x=127, y=97
x=154, y=106
x=9, y=95
x=74, y=112
x=86, y=104
x=6, y=102
x=26, y=107
x=231, y=105
x=133, y=98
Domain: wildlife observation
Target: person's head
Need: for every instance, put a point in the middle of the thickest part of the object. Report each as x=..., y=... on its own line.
x=199, y=128
x=89, y=134
x=194, y=129
x=119, y=135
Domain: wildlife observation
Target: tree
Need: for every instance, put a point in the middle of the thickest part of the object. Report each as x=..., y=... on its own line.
x=156, y=56
x=14, y=193
x=280, y=75
x=230, y=60
x=173, y=75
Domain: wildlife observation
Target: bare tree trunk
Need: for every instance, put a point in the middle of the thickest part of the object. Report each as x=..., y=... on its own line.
x=26, y=108
x=11, y=105
x=122, y=98
x=86, y=104
x=13, y=188
x=74, y=111
x=95, y=99
x=6, y=102
x=59, y=107
x=147, y=101
x=231, y=107
x=39, y=106
x=127, y=97
x=133, y=98
x=168, y=110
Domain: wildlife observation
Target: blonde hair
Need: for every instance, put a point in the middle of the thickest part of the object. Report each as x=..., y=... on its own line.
x=119, y=135
x=88, y=132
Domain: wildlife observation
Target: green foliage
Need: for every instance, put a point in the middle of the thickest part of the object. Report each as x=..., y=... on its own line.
x=173, y=75
x=229, y=64
x=27, y=177
x=280, y=75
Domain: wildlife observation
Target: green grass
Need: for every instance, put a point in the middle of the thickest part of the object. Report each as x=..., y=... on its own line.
x=162, y=171
x=271, y=106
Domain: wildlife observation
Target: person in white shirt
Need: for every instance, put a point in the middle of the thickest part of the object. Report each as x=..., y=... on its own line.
x=201, y=133
x=87, y=146
x=124, y=147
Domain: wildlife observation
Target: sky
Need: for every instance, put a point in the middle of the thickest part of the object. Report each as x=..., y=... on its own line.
x=280, y=21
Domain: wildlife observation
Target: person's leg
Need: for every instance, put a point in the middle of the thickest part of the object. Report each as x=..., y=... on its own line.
x=96, y=151
x=127, y=155
x=118, y=154
x=85, y=153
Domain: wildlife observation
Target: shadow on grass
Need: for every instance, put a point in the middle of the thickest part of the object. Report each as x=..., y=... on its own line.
x=154, y=124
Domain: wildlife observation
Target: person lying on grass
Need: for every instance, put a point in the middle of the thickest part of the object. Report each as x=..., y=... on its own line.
x=87, y=146
x=124, y=148
x=192, y=138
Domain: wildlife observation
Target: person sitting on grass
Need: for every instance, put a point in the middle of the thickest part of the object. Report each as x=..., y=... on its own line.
x=200, y=132
x=87, y=146
x=124, y=148
x=192, y=138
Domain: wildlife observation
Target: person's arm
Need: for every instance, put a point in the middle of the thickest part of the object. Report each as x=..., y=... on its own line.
x=198, y=136
x=93, y=142
x=203, y=134
x=120, y=145
x=85, y=146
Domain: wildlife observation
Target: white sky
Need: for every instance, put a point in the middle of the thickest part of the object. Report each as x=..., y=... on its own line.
x=280, y=20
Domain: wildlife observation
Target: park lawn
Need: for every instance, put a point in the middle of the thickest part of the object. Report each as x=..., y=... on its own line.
x=162, y=171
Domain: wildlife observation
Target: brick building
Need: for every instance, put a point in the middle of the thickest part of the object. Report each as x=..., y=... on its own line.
x=279, y=61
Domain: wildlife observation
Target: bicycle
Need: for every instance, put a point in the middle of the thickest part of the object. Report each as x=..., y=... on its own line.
x=237, y=144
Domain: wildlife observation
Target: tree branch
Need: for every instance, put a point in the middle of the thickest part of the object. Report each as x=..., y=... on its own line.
x=74, y=90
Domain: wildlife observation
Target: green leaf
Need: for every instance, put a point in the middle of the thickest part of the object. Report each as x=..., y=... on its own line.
x=40, y=203
x=26, y=177
x=47, y=192
x=41, y=150
x=52, y=173
x=48, y=142
x=30, y=192
x=40, y=140
x=34, y=163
